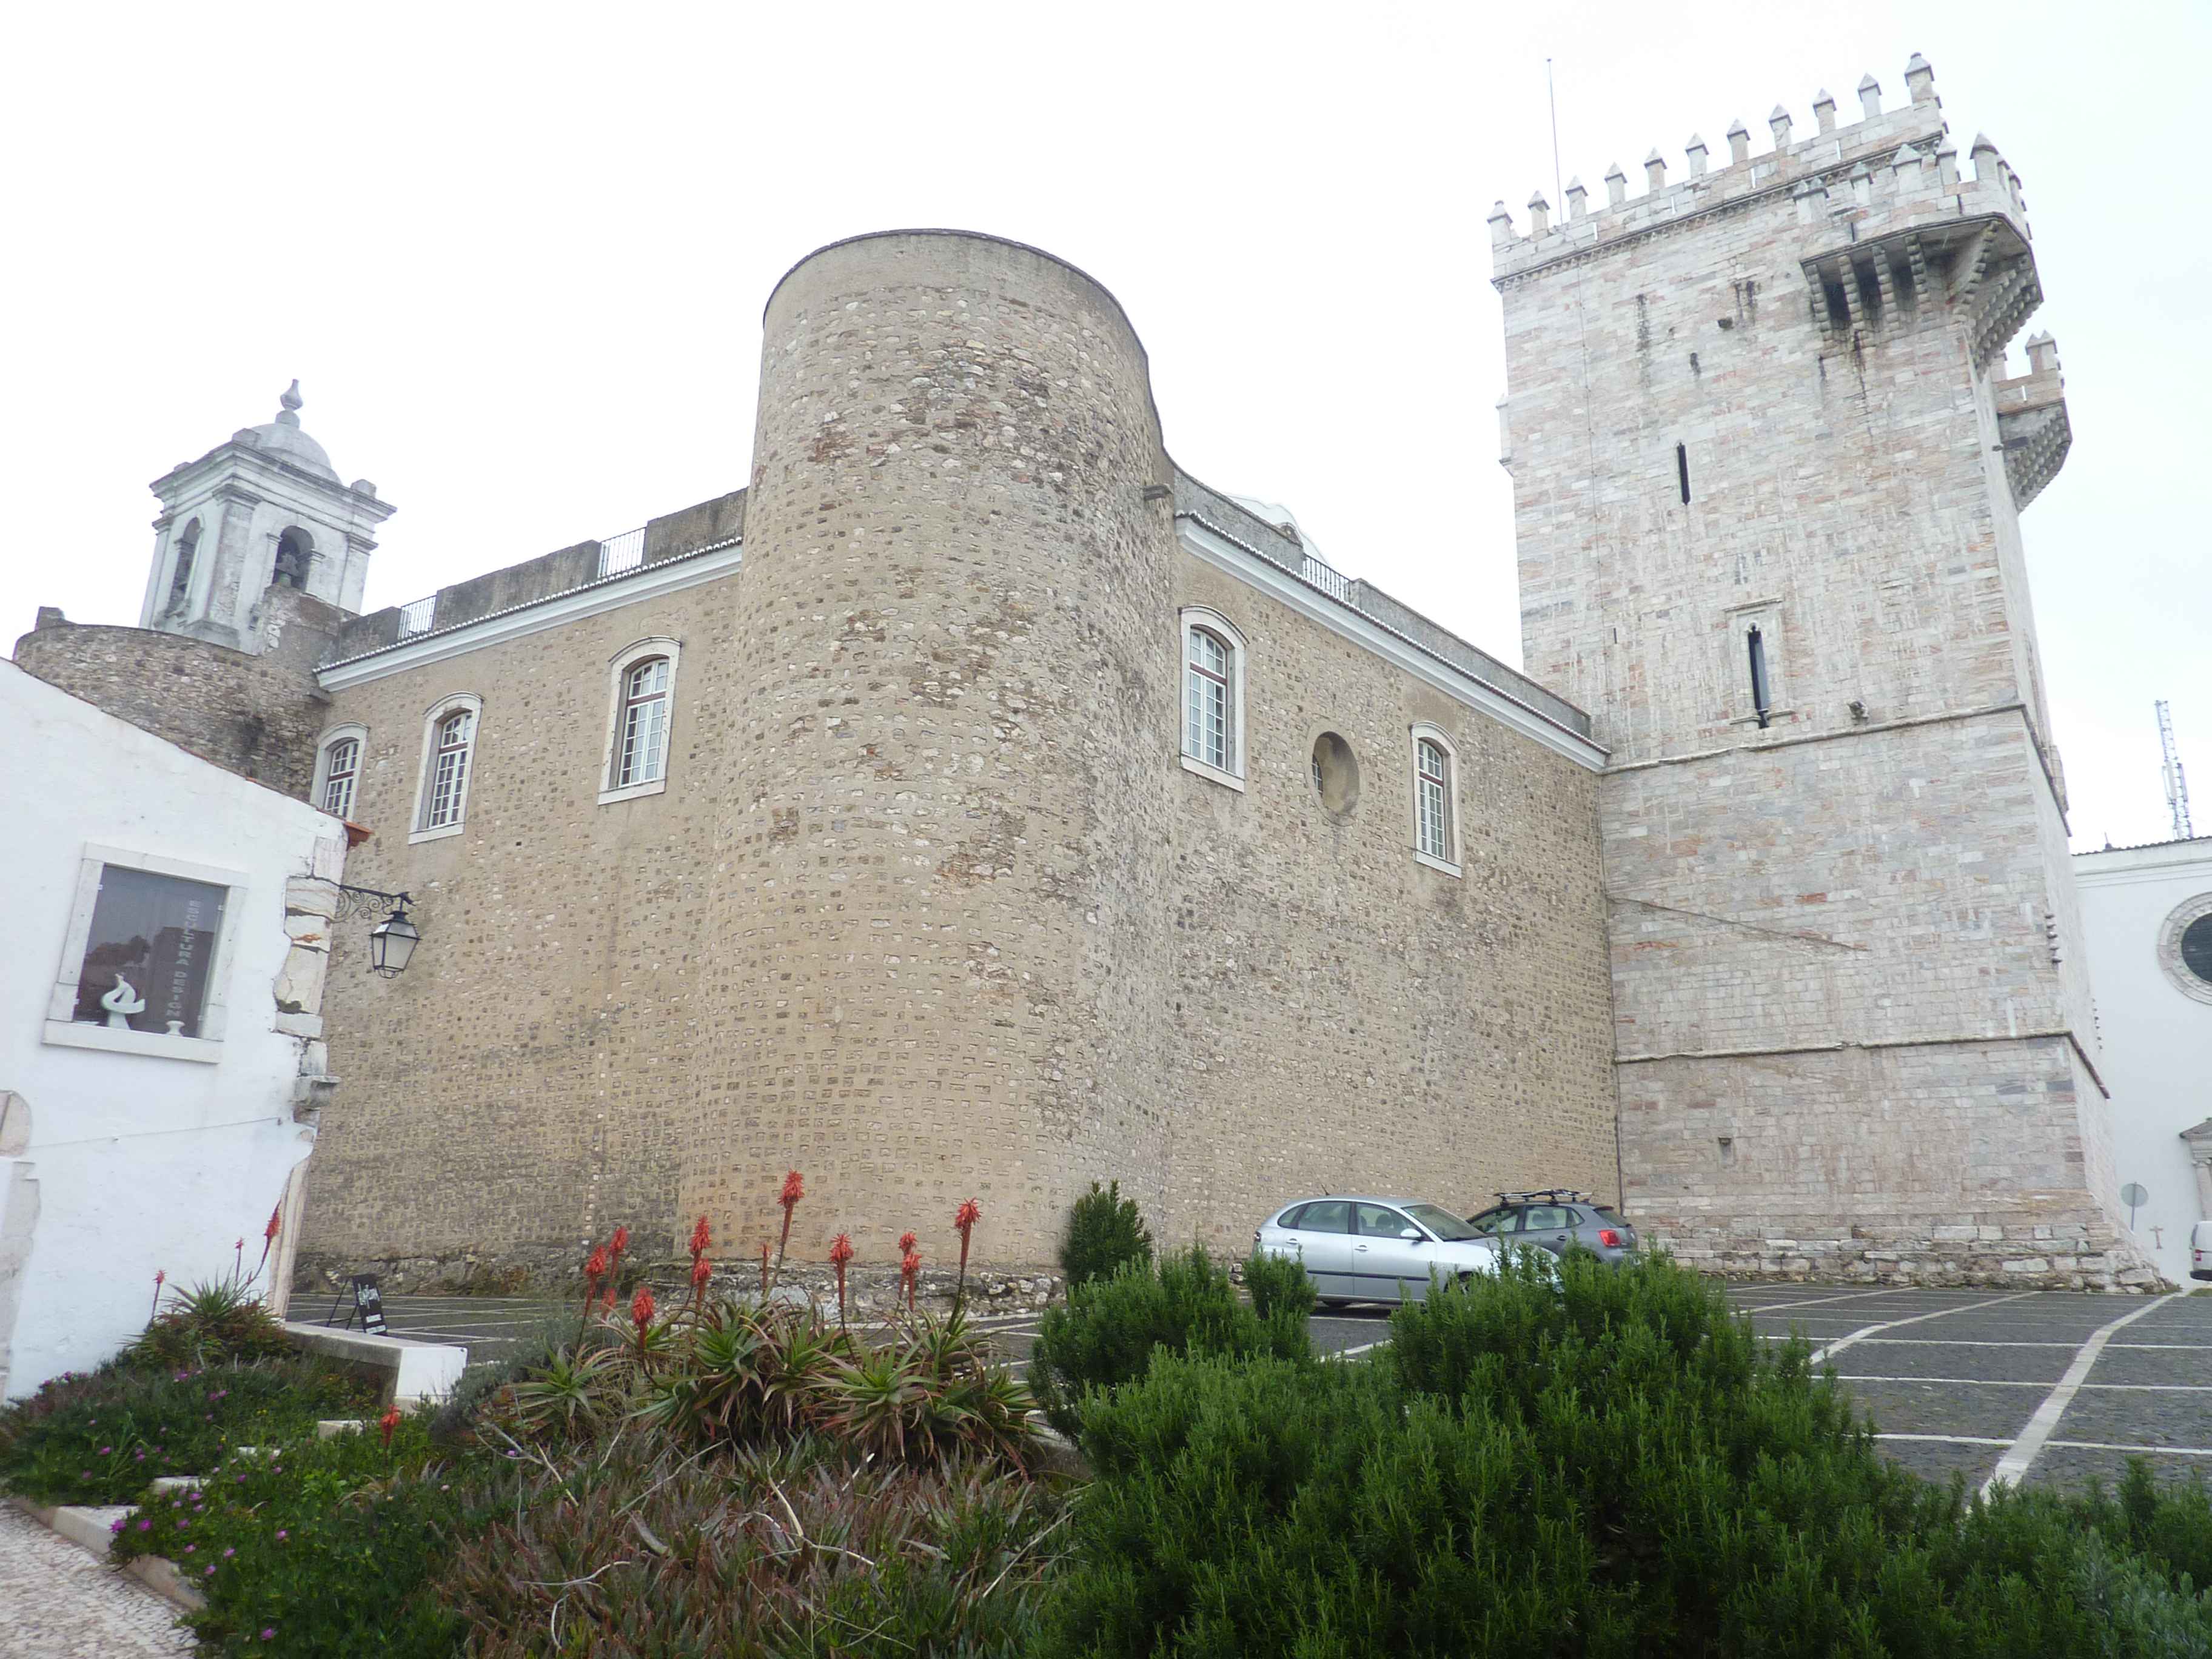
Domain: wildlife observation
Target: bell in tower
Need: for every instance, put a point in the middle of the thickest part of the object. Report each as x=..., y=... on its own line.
x=262, y=513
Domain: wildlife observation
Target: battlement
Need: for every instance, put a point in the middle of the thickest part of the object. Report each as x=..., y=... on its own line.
x=2032, y=423
x=1891, y=176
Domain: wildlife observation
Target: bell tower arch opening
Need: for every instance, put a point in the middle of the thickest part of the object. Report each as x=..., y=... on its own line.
x=264, y=512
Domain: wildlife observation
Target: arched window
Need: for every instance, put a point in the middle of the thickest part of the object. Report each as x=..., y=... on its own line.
x=641, y=700
x=1213, y=697
x=642, y=747
x=180, y=577
x=340, y=766
x=1435, y=789
x=293, y=551
x=449, y=735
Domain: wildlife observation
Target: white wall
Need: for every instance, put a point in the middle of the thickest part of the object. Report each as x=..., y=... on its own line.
x=137, y=1162
x=2157, y=1058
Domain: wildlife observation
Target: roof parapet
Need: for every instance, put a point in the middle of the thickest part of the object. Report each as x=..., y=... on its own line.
x=1903, y=154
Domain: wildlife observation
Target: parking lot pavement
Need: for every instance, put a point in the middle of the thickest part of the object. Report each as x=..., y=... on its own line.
x=1954, y=1381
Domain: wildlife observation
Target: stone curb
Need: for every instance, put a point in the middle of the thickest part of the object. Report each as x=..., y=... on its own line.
x=87, y=1529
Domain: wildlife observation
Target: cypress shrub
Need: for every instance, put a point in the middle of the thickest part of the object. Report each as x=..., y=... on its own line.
x=1104, y=1231
x=1610, y=1465
x=1279, y=1284
x=1108, y=1331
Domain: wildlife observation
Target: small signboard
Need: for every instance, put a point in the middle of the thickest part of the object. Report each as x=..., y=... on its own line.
x=367, y=1306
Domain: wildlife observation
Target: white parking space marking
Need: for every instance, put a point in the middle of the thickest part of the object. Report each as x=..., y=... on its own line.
x=1843, y=1342
x=1998, y=1382
x=2017, y=1463
x=2139, y=1451
x=1816, y=1301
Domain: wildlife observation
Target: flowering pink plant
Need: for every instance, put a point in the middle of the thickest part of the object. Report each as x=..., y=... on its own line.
x=840, y=1252
x=964, y=1218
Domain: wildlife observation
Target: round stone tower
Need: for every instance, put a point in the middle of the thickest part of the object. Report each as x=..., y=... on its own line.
x=949, y=711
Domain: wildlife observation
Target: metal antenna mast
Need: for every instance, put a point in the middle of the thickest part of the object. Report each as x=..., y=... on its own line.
x=2177, y=784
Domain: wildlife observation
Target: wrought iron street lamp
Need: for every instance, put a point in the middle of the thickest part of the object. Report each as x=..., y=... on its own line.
x=392, y=940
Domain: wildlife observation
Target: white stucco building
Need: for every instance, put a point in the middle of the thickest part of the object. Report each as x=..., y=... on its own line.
x=160, y=1053
x=2146, y=914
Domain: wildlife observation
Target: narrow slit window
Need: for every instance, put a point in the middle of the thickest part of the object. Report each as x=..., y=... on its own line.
x=1762, y=700
x=338, y=779
x=1682, y=470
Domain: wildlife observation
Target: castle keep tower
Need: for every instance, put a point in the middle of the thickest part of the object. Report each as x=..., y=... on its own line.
x=1767, y=486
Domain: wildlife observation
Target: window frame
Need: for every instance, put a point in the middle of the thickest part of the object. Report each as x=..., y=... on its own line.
x=1763, y=616
x=63, y=1029
x=459, y=703
x=329, y=740
x=1420, y=732
x=619, y=666
x=1198, y=618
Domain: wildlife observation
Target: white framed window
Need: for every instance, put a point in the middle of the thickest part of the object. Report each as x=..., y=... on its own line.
x=449, y=745
x=1212, y=652
x=146, y=961
x=1436, y=800
x=640, y=719
x=337, y=769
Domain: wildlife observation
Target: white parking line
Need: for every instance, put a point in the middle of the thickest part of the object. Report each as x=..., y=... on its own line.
x=2042, y=1382
x=1948, y=1439
x=1843, y=1342
x=1816, y=1301
x=2143, y=1451
x=2015, y=1463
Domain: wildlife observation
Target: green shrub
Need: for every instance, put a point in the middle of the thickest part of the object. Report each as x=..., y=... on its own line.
x=325, y=1548
x=1611, y=1464
x=1279, y=1285
x=210, y=1324
x=792, y=1549
x=1107, y=1334
x=1105, y=1231
x=98, y=1438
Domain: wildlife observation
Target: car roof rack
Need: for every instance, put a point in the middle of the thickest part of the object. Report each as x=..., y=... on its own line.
x=1547, y=1195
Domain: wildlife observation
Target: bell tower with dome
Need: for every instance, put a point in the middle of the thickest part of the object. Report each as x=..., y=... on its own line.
x=265, y=510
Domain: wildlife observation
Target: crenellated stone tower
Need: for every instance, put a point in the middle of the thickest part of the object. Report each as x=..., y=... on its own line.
x=1768, y=478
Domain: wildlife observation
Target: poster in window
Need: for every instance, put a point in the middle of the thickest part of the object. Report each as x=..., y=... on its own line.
x=151, y=950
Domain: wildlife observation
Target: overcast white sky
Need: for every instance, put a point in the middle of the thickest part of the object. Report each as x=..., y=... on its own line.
x=517, y=258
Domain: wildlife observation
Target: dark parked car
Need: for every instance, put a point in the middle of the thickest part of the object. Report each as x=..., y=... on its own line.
x=1553, y=1219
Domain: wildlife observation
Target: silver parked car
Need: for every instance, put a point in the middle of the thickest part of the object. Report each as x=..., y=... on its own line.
x=1376, y=1249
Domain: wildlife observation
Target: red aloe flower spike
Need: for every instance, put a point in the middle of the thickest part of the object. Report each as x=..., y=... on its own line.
x=964, y=1218
x=268, y=1238
x=388, y=1422
x=906, y=1243
x=702, y=1237
x=640, y=1307
x=702, y=1271
x=794, y=1189
x=595, y=1269
x=620, y=1241
x=840, y=1252
x=910, y=1270
x=160, y=1276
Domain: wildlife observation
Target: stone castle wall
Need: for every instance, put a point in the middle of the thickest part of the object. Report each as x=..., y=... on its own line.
x=255, y=714
x=929, y=907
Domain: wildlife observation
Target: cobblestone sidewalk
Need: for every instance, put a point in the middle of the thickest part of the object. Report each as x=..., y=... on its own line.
x=57, y=1602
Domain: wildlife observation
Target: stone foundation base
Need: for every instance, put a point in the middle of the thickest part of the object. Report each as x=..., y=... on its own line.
x=554, y=1272
x=2034, y=1256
